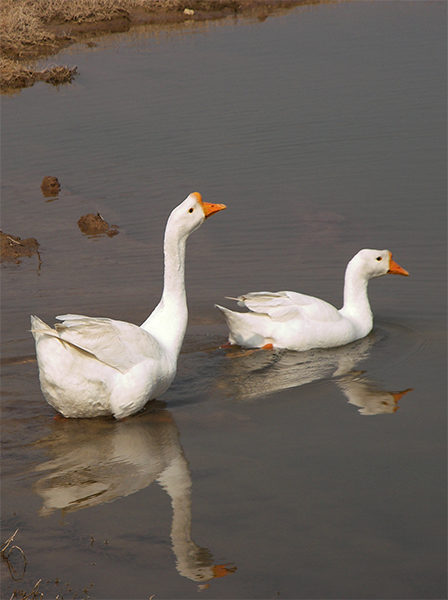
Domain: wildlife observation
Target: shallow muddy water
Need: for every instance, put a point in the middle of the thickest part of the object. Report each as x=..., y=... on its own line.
x=260, y=475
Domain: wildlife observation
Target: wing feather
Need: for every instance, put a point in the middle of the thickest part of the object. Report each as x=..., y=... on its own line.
x=285, y=306
x=116, y=343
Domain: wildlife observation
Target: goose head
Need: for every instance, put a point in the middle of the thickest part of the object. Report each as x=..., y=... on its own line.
x=374, y=263
x=191, y=213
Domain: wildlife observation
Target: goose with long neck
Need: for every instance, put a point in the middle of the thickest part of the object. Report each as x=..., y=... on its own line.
x=299, y=322
x=168, y=321
x=91, y=366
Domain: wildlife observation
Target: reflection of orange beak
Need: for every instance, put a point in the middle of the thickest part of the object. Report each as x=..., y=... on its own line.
x=396, y=269
x=223, y=570
x=400, y=395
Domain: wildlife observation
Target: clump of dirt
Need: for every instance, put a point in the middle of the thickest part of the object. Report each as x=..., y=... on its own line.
x=50, y=186
x=13, y=248
x=91, y=224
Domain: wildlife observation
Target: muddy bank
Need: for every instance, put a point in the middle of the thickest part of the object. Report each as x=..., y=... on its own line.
x=33, y=30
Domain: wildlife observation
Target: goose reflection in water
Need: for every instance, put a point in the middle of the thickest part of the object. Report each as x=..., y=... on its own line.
x=248, y=374
x=366, y=394
x=98, y=461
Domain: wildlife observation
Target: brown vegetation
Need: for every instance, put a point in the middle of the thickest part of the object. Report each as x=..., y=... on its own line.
x=27, y=33
x=15, y=75
x=30, y=29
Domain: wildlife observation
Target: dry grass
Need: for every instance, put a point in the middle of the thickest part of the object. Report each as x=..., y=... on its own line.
x=15, y=75
x=21, y=28
x=79, y=10
x=24, y=23
x=25, y=34
x=33, y=28
x=6, y=550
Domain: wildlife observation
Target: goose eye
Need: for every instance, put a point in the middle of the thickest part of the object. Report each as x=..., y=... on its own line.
x=379, y=258
x=191, y=210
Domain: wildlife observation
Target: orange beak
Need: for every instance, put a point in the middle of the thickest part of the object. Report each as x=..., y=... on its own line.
x=395, y=269
x=209, y=209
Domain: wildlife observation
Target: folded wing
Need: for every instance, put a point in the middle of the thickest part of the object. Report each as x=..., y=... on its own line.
x=116, y=343
x=285, y=306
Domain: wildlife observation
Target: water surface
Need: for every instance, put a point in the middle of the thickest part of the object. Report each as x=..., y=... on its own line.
x=323, y=130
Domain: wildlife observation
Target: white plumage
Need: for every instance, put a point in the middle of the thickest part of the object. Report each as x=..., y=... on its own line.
x=90, y=367
x=299, y=322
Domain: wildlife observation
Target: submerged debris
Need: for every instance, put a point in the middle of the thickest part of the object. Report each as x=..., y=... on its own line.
x=6, y=554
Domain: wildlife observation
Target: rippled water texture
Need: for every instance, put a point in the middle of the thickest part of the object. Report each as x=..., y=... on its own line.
x=256, y=475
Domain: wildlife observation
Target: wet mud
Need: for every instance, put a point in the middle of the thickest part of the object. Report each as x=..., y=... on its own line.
x=91, y=224
x=13, y=248
x=50, y=186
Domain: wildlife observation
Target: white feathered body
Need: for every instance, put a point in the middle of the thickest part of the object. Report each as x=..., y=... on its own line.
x=300, y=322
x=291, y=320
x=89, y=367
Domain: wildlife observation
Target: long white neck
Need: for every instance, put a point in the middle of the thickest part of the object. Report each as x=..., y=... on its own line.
x=356, y=302
x=168, y=321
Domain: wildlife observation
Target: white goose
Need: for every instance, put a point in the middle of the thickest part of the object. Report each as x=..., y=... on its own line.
x=90, y=367
x=299, y=322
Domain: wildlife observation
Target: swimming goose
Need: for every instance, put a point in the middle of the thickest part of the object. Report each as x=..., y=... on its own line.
x=90, y=367
x=299, y=322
